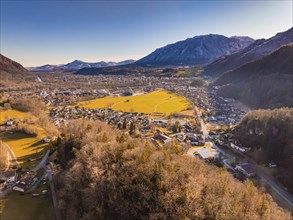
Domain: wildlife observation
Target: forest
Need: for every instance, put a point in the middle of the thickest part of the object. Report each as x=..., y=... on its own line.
x=270, y=131
x=109, y=175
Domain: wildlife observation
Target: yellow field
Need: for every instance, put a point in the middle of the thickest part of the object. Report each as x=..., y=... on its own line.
x=5, y=115
x=154, y=102
x=24, y=146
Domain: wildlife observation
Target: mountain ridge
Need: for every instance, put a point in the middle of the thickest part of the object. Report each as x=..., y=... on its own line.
x=262, y=83
x=11, y=71
x=78, y=64
x=198, y=50
x=254, y=51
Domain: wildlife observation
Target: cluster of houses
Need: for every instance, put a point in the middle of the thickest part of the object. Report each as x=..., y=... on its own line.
x=217, y=110
x=8, y=177
x=20, y=183
x=223, y=110
x=25, y=181
x=156, y=129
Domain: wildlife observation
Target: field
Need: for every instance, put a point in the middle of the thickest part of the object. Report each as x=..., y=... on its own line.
x=159, y=101
x=28, y=150
x=5, y=115
x=26, y=207
x=24, y=146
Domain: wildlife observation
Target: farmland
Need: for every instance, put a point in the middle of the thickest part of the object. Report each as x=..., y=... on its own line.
x=5, y=115
x=29, y=207
x=23, y=145
x=28, y=149
x=159, y=101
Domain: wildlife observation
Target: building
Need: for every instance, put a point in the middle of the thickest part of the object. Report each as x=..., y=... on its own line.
x=20, y=187
x=8, y=176
x=246, y=169
x=163, y=138
x=25, y=181
x=205, y=153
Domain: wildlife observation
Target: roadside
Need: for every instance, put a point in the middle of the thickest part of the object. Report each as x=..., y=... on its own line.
x=278, y=192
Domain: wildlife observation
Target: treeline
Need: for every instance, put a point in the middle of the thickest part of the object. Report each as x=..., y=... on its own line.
x=109, y=175
x=37, y=108
x=270, y=91
x=271, y=132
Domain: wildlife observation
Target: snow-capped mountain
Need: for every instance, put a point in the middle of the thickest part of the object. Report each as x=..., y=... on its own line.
x=78, y=64
x=198, y=50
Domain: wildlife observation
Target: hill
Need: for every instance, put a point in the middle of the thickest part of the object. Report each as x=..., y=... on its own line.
x=264, y=83
x=256, y=50
x=117, y=177
x=269, y=134
x=11, y=71
x=78, y=64
x=198, y=50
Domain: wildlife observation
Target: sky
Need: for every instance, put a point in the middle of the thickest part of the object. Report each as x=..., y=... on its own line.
x=41, y=32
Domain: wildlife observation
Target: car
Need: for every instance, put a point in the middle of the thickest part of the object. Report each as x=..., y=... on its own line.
x=272, y=164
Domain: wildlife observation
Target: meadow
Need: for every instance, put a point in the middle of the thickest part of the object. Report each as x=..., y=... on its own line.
x=24, y=146
x=26, y=207
x=28, y=149
x=159, y=101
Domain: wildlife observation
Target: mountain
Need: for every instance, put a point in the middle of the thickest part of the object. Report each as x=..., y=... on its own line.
x=256, y=50
x=12, y=71
x=78, y=64
x=199, y=50
x=263, y=83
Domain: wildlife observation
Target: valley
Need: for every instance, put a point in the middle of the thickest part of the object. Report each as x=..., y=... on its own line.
x=146, y=110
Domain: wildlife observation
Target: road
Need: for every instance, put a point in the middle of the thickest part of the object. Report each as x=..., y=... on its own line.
x=42, y=163
x=13, y=160
x=53, y=192
x=278, y=190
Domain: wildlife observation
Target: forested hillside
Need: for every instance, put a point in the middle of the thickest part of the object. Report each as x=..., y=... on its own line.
x=271, y=132
x=109, y=175
x=264, y=83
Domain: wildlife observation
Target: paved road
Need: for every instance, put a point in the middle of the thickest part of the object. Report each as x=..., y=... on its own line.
x=53, y=192
x=42, y=163
x=286, y=196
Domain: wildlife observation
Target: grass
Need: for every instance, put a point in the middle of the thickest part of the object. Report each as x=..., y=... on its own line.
x=5, y=115
x=159, y=101
x=26, y=207
x=24, y=146
x=22, y=207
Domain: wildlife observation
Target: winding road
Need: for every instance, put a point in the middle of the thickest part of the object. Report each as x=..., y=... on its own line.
x=275, y=186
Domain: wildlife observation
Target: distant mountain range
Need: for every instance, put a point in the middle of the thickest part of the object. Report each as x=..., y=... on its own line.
x=199, y=50
x=256, y=50
x=262, y=83
x=78, y=64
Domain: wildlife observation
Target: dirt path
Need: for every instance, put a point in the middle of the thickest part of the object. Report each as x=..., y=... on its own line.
x=116, y=104
x=12, y=161
x=157, y=105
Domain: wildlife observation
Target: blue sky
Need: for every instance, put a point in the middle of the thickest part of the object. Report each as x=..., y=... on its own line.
x=40, y=32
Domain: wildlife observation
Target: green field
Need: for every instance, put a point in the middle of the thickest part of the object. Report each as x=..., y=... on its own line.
x=159, y=101
x=26, y=207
